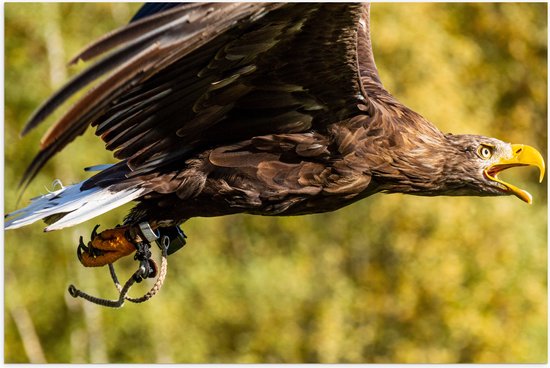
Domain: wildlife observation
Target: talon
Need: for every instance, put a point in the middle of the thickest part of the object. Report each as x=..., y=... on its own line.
x=105, y=247
x=94, y=233
x=81, y=247
x=81, y=244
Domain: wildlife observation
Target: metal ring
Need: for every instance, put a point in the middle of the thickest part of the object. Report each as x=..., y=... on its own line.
x=147, y=232
x=165, y=241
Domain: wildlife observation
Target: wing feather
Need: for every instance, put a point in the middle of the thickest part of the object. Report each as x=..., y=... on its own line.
x=202, y=75
x=136, y=31
x=129, y=65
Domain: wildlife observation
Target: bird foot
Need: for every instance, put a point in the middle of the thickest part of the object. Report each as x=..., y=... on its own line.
x=110, y=245
x=105, y=247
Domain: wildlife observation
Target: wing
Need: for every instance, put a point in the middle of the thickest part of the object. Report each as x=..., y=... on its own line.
x=202, y=75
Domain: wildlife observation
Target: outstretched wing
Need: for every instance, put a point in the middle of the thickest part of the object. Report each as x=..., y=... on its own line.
x=200, y=75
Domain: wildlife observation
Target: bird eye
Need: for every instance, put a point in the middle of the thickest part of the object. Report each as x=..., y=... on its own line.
x=485, y=152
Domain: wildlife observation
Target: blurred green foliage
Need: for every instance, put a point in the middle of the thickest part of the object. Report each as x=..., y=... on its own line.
x=393, y=278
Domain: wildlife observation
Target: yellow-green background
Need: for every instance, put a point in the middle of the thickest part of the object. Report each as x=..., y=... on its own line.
x=390, y=279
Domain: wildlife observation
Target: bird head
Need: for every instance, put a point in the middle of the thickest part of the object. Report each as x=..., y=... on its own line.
x=489, y=157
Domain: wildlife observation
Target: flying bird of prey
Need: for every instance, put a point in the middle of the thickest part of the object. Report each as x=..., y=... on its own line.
x=261, y=108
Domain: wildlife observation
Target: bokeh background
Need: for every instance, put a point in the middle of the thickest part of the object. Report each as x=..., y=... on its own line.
x=392, y=279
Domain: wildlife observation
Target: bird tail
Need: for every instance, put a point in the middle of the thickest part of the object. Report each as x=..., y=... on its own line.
x=71, y=205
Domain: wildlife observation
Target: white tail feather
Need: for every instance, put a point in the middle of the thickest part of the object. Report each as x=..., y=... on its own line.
x=78, y=206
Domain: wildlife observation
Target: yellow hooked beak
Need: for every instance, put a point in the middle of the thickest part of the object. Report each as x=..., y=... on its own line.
x=522, y=155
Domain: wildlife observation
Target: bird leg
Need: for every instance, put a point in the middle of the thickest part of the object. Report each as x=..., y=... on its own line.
x=105, y=247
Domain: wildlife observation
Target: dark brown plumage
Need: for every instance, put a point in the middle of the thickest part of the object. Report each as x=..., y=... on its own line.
x=268, y=109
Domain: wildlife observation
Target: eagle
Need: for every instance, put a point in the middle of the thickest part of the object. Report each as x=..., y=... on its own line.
x=273, y=109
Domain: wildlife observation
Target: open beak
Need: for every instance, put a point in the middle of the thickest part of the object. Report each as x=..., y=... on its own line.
x=522, y=155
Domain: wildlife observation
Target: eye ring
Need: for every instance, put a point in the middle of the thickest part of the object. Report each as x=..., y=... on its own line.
x=485, y=152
